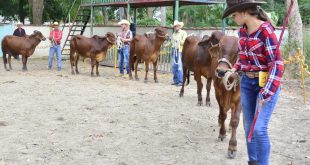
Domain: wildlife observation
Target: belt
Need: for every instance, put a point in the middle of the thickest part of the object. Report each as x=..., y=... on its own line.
x=252, y=74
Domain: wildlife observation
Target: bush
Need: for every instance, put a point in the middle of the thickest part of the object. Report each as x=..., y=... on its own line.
x=306, y=39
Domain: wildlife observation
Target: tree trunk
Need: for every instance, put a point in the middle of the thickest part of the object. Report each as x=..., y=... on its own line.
x=121, y=13
x=163, y=16
x=37, y=11
x=150, y=12
x=105, y=15
x=271, y=2
x=295, y=39
x=21, y=11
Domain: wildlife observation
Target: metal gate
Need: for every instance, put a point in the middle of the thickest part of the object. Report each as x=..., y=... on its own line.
x=163, y=64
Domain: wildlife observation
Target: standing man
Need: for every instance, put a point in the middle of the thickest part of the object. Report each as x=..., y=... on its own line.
x=177, y=41
x=123, y=53
x=20, y=32
x=55, y=38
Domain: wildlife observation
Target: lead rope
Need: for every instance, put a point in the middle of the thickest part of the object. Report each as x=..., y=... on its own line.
x=230, y=85
x=260, y=107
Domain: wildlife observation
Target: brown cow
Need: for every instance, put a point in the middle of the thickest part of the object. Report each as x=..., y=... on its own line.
x=147, y=48
x=196, y=58
x=94, y=48
x=224, y=55
x=25, y=46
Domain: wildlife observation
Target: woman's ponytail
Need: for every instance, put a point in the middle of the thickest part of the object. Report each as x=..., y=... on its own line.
x=260, y=13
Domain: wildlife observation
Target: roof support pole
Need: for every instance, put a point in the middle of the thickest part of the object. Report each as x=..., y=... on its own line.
x=176, y=10
x=135, y=16
x=128, y=11
x=224, y=21
x=91, y=18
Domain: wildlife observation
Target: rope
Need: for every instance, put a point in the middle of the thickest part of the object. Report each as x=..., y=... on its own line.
x=230, y=85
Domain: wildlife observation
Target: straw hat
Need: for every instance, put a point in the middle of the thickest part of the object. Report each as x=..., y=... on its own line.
x=176, y=23
x=19, y=23
x=123, y=21
x=55, y=24
x=235, y=5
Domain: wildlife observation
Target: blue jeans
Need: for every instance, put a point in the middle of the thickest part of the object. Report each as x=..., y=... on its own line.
x=177, y=68
x=259, y=147
x=56, y=49
x=123, y=57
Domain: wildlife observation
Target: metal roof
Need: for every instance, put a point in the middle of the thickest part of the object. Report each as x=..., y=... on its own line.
x=147, y=3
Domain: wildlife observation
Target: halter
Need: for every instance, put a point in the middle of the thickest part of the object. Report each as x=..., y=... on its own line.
x=109, y=40
x=224, y=60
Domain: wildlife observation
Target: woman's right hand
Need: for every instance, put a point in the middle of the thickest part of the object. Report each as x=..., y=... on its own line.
x=234, y=73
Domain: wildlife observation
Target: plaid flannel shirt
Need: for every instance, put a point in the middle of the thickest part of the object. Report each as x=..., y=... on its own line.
x=257, y=52
x=57, y=34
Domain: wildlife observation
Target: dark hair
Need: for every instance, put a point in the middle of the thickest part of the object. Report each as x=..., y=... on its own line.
x=259, y=12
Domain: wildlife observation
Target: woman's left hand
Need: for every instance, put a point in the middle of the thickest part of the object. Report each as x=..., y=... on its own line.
x=262, y=102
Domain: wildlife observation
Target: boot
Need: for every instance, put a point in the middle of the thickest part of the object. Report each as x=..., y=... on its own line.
x=254, y=162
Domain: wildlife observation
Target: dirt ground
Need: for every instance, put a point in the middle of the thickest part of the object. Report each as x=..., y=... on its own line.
x=50, y=117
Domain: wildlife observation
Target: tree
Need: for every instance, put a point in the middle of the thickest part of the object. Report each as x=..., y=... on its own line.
x=295, y=33
x=163, y=16
x=37, y=7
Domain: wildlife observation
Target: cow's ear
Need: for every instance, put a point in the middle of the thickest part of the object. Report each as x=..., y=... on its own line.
x=214, y=51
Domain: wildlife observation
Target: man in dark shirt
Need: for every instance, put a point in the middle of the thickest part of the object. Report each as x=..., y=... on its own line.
x=20, y=32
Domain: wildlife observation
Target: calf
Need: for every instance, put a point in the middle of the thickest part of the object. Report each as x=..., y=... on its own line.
x=196, y=58
x=94, y=48
x=224, y=55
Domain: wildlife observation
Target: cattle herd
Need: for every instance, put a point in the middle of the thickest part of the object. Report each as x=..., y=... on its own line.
x=210, y=57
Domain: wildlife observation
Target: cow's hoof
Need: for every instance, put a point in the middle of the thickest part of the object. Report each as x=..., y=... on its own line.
x=137, y=78
x=73, y=73
x=145, y=81
x=7, y=69
x=231, y=154
x=97, y=74
x=181, y=94
x=92, y=75
x=221, y=137
x=199, y=103
x=156, y=81
x=76, y=72
x=208, y=104
x=24, y=70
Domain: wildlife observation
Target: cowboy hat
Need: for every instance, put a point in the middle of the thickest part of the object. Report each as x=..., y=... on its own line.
x=235, y=5
x=176, y=23
x=123, y=21
x=55, y=24
x=19, y=23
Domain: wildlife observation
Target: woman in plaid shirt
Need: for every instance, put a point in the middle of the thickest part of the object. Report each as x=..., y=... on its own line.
x=257, y=53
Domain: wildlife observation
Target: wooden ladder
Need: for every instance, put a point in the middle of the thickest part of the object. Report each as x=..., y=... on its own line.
x=77, y=28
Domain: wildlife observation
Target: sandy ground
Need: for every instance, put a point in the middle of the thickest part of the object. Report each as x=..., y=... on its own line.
x=50, y=117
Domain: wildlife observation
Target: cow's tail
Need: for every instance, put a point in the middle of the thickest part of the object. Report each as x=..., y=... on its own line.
x=132, y=55
x=188, y=77
x=3, y=51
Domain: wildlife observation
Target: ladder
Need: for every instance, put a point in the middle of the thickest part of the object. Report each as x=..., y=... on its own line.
x=77, y=28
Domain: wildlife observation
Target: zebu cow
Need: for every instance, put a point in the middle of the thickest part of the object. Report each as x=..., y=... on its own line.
x=25, y=46
x=94, y=48
x=147, y=48
x=196, y=58
x=224, y=55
